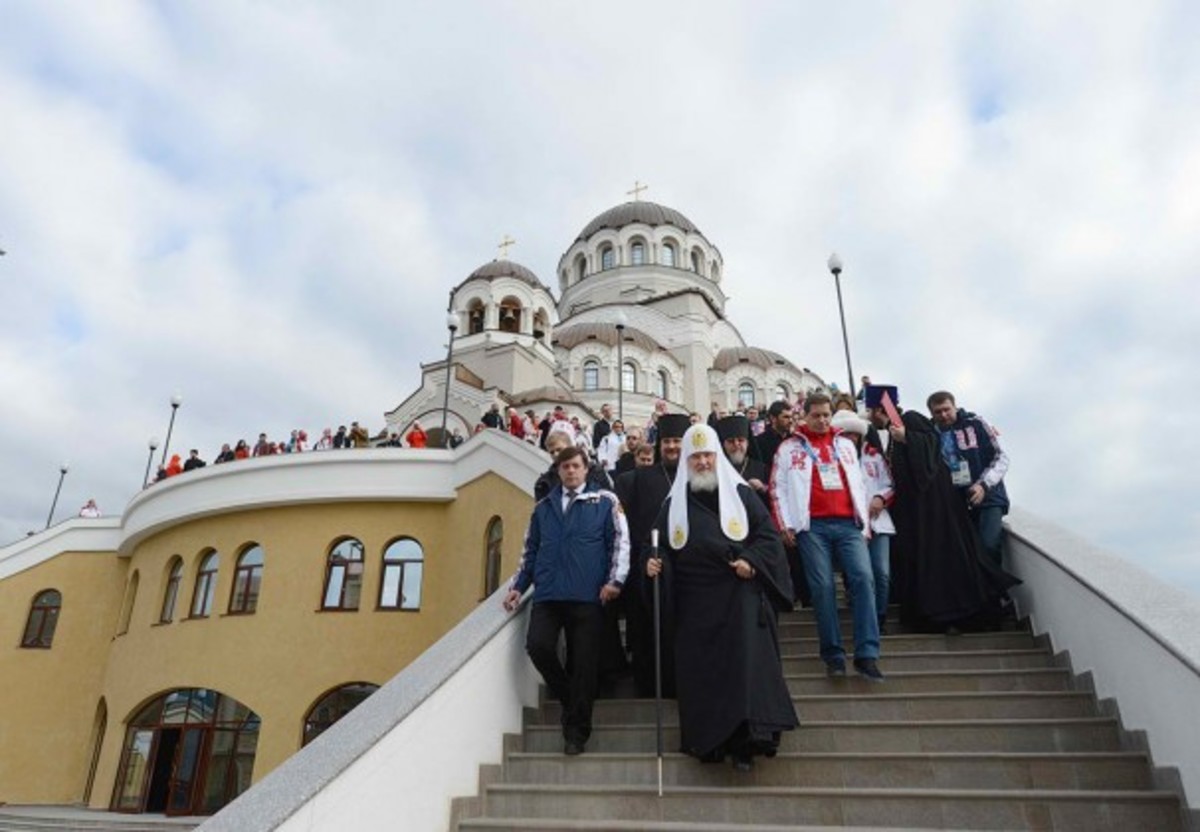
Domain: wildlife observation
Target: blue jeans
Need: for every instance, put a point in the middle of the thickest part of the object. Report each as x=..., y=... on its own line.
x=827, y=539
x=880, y=548
x=990, y=523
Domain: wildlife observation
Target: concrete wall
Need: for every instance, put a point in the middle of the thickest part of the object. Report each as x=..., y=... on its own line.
x=1137, y=636
x=48, y=697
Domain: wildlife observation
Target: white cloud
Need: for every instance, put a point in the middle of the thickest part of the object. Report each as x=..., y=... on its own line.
x=265, y=207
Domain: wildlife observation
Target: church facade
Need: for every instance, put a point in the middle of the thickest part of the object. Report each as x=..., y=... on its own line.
x=639, y=317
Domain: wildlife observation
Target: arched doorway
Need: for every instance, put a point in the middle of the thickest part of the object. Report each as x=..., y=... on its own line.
x=187, y=752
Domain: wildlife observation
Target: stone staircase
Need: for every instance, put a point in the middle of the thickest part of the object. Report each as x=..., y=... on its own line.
x=78, y=819
x=973, y=731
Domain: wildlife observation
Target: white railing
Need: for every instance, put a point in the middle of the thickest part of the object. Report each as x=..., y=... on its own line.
x=399, y=758
x=1139, y=637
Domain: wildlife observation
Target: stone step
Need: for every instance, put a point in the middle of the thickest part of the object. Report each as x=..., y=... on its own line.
x=1128, y=771
x=1092, y=810
x=813, y=736
x=932, y=681
x=565, y=825
x=866, y=701
x=937, y=660
x=791, y=645
x=19, y=818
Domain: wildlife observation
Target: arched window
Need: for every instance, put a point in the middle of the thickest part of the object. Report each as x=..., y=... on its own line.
x=333, y=706
x=247, y=580
x=206, y=586
x=608, y=258
x=43, y=619
x=746, y=394
x=171, y=593
x=403, y=563
x=476, y=317
x=714, y=272
x=343, y=576
x=493, y=542
x=782, y=394
x=697, y=261
x=187, y=752
x=510, y=315
x=662, y=383
x=637, y=253
x=541, y=324
x=591, y=375
x=580, y=267
x=629, y=377
x=127, y=605
x=667, y=255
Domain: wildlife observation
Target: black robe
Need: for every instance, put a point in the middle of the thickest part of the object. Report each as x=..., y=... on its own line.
x=733, y=698
x=941, y=576
x=642, y=493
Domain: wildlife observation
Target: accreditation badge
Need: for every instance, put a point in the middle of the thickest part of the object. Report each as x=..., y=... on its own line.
x=960, y=475
x=831, y=477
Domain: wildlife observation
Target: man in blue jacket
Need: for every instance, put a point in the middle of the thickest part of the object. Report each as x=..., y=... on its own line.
x=971, y=449
x=576, y=558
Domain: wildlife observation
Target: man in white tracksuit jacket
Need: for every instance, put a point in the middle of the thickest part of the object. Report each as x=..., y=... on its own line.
x=819, y=500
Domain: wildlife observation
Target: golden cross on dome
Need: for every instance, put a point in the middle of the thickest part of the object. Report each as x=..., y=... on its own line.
x=638, y=187
x=503, y=247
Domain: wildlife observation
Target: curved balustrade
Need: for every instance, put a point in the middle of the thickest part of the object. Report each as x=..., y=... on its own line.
x=1139, y=637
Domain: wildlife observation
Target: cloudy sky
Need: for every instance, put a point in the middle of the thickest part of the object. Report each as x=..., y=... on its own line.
x=263, y=207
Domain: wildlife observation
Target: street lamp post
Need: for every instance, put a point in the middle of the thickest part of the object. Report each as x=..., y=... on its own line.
x=153, y=443
x=622, y=321
x=176, y=400
x=62, y=475
x=452, y=325
x=835, y=266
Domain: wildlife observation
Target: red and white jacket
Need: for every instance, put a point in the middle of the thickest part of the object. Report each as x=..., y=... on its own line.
x=878, y=480
x=792, y=476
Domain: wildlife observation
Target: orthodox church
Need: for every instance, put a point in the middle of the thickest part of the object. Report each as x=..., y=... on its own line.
x=640, y=317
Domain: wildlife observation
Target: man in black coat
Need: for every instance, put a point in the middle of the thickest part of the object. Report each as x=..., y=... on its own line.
x=734, y=432
x=642, y=492
x=943, y=578
x=603, y=426
x=724, y=579
x=779, y=428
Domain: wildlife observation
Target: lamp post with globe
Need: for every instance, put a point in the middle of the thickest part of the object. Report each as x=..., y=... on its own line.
x=622, y=322
x=153, y=445
x=835, y=267
x=176, y=401
x=62, y=475
x=452, y=326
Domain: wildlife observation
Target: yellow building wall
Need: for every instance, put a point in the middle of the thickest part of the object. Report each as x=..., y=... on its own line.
x=283, y=658
x=48, y=698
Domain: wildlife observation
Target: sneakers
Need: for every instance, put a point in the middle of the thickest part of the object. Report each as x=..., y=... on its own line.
x=835, y=668
x=743, y=764
x=869, y=670
x=573, y=748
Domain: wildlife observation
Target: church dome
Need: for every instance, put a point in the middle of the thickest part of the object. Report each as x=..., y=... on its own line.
x=569, y=337
x=647, y=213
x=731, y=357
x=506, y=268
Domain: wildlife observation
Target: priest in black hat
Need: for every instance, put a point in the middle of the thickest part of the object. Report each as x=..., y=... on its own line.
x=642, y=492
x=734, y=432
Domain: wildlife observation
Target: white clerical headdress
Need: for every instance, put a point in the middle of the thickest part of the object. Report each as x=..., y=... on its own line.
x=703, y=439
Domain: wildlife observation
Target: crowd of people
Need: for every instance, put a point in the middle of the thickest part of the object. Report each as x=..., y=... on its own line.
x=355, y=436
x=736, y=518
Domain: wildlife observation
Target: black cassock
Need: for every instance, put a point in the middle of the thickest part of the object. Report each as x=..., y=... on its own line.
x=728, y=673
x=642, y=492
x=941, y=576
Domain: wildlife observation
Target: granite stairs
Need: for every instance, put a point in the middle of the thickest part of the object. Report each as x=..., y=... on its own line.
x=78, y=819
x=970, y=731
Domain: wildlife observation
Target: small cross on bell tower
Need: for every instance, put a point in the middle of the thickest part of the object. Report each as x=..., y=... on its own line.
x=636, y=193
x=504, y=246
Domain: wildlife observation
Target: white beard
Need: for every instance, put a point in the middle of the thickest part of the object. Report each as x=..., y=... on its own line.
x=737, y=459
x=702, y=482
